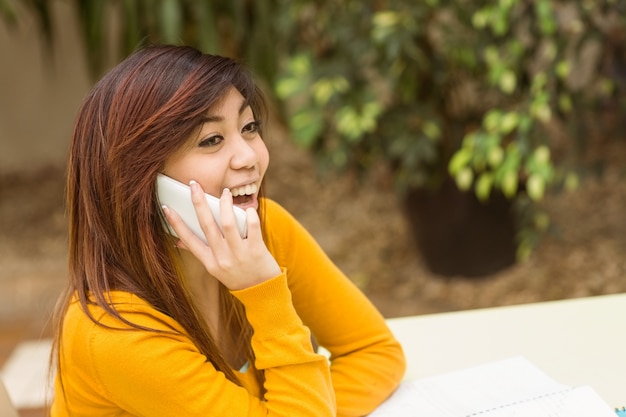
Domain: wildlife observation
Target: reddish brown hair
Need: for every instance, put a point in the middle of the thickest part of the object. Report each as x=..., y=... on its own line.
x=137, y=116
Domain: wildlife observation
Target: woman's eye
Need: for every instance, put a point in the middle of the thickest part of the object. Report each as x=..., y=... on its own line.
x=211, y=141
x=252, y=127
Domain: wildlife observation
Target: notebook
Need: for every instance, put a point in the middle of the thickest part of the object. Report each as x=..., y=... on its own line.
x=506, y=388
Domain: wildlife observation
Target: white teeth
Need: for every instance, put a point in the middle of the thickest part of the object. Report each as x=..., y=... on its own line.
x=248, y=189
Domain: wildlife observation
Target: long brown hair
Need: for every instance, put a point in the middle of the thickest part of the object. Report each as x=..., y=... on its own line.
x=137, y=116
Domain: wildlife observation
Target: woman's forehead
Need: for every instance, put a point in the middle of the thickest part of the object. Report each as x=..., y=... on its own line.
x=231, y=102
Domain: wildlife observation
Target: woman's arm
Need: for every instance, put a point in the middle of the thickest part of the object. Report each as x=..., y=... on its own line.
x=148, y=373
x=367, y=362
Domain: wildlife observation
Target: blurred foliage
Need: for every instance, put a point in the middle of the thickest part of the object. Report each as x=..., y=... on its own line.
x=7, y=11
x=240, y=28
x=469, y=89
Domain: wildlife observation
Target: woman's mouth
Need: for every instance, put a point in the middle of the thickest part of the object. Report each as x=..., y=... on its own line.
x=244, y=194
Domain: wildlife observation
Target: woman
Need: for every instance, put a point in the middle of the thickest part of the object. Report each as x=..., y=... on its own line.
x=157, y=325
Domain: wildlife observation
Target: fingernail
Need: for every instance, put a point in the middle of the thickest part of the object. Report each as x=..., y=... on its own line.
x=165, y=209
x=193, y=185
x=225, y=191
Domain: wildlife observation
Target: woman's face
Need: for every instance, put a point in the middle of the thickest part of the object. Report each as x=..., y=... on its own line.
x=228, y=152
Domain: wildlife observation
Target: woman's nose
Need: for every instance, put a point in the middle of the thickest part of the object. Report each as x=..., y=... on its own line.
x=244, y=154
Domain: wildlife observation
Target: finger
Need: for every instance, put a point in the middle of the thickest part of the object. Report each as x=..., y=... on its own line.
x=206, y=219
x=186, y=238
x=227, y=218
x=254, y=225
x=181, y=245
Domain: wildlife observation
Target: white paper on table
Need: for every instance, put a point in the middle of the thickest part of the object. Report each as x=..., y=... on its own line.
x=509, y=388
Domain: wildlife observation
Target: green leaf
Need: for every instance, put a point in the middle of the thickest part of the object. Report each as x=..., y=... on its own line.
x=348, y=123
x=459, y=160
x=508, y=81
x=324, y=88
x=546, y=18
x=289, y=87
x=300, y=65
x=539, y=82
x=542, y=154
x=464, y=179
x=307, y=126
x=369, y=116
x=525, y=124
x=563, y=69
x=491, y=121
x=492, y=56
x=565, y=103
x=480, y=19
x=353, y=124
x=470, y=140
x=483, y=186
x=387, y=18
x=535, y=187
x=571, y=181
x=431, y=130
x=322, y=91
x=507, y=4
x=509, y=122
x=541, y=221
x=495, y=156
x=499, y=23
x=524, y=250
x=541, y=111
x=509, y=183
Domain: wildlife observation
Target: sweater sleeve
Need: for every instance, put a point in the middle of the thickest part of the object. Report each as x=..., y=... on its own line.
x=149, y=373
x=367, y=362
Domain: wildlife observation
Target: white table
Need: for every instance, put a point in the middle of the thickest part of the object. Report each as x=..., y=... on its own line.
x=576, y=342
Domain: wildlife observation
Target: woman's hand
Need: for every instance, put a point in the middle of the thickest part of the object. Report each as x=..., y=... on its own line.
x=238, y=263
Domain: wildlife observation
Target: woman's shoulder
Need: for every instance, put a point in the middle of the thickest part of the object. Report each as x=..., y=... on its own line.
x=132, y=312
x=94, y=337
x=278, y=222
x=272, y=209
x=98, y=349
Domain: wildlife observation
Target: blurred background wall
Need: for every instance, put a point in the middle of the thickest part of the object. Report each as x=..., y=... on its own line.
x=41, y=90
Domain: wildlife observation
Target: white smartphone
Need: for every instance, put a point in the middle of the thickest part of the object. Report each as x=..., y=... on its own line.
x=177, y=196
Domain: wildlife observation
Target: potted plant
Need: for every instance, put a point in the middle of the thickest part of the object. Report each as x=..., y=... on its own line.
x=462, y=101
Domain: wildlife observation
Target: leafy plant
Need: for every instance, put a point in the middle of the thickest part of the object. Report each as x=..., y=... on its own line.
x=470, y=90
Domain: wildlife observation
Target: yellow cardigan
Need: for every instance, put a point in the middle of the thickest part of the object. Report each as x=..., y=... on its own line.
x=109, y=372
